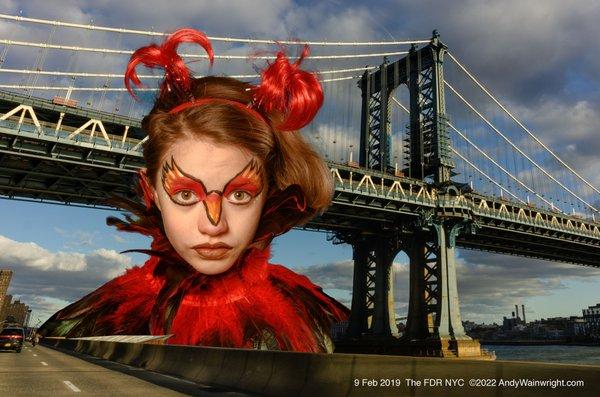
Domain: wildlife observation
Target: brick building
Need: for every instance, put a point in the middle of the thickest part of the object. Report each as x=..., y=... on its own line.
x=5, y=276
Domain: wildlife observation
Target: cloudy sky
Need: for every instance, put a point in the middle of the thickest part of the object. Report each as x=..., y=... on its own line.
x=539, y=57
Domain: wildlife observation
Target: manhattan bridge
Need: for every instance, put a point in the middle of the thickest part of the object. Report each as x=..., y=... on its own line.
x=425, y=159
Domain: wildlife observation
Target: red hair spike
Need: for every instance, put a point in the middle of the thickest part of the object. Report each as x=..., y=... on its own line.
x=177, y=74
x=290, y=90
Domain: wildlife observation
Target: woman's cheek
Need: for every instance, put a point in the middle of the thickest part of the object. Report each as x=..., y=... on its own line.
x=248, y=219
x=177, y=225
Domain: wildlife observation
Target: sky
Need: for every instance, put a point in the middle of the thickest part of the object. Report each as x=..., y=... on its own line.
x=539, y=57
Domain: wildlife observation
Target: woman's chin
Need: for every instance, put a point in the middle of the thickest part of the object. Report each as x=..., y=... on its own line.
x=212, y=267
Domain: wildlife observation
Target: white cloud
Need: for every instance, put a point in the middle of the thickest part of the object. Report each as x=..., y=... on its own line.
x=31, y=255
x=46, y=280
x=489, y=285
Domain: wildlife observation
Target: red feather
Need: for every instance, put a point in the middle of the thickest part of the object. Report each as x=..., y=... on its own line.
x=289, y=90
x=232, y=309
x=165, y=56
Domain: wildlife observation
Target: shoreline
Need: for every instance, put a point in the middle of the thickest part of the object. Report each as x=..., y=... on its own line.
x=538, y=342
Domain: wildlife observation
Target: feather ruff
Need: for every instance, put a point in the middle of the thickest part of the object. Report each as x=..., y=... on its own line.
x=232, y=309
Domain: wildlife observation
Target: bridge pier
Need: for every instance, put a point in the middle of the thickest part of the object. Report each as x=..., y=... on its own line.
x=372, y=298
x=434, y=325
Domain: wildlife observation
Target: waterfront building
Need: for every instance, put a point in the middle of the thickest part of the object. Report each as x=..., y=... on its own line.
x=515, y=323
x=549, y=328
x=591, y=318
x=575, y=328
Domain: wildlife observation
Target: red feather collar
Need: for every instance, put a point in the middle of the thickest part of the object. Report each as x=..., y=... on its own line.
x=232, y=309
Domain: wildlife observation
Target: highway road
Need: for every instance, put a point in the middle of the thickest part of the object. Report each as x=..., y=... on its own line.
x=44, y=371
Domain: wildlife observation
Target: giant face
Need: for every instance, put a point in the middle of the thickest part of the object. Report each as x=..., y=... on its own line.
x=211, y=198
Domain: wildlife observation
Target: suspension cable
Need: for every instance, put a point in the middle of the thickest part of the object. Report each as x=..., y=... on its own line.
x=498, y=165
x=213, y=38
x=487, y=157
x=486, y=175
x=116, y=89
x=204, y=56
x=520, y=124
x=516, y=148
x=148, y=76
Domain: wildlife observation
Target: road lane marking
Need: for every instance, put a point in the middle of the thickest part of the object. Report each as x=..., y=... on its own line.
x=71, y=386
x=43, y=363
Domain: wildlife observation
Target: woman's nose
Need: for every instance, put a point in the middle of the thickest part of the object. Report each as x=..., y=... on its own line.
x=212, y=220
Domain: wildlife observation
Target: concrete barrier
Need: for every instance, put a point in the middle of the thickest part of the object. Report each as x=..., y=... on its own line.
x=273, y=373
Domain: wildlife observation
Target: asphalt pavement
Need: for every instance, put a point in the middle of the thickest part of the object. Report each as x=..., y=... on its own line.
x=44, y=371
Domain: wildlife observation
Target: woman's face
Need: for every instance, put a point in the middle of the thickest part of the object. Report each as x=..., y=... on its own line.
x=211, y=198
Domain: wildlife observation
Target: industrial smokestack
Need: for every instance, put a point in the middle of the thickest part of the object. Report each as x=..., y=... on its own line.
x=517, y=310
x=523, y=312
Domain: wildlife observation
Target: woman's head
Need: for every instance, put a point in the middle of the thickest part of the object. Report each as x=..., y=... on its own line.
x=213, y=158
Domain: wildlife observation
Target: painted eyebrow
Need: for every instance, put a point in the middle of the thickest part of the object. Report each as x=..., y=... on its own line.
x=249, y=178
x=175, y=179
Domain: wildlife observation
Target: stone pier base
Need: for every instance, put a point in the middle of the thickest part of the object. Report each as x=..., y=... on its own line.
x=443, y=348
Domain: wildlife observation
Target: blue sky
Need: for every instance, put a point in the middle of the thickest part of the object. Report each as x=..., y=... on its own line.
x=540, y=57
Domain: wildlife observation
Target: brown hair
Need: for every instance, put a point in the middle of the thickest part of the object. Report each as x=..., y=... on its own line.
x=287, y=158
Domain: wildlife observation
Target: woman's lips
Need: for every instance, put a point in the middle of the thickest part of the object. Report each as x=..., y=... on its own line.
x=212, y=251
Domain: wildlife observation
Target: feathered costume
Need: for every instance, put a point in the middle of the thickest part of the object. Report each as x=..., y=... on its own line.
x=254, y=303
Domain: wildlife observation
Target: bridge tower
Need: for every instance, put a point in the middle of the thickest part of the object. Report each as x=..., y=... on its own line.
x=434, y=325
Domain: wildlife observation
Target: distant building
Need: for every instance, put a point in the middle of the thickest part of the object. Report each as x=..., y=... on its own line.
x=575, y=328
x=5, y=276
x=481, y=331
x=550, y=328
x=468, y=325
x=19, y=311
x=338, y=330
x=515, y=323
x=401, y=327
x=591, y=318
x=4, y=309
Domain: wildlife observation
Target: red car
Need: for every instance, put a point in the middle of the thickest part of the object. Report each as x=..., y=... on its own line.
x=12, y=338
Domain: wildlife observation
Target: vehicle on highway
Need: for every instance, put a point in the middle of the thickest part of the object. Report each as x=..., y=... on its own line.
x=11, y=338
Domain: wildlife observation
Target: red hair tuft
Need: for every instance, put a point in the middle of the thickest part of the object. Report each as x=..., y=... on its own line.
x=290, y=90
x=177, y=74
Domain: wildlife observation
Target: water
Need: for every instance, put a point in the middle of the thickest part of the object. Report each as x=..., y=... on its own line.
x=589, y=355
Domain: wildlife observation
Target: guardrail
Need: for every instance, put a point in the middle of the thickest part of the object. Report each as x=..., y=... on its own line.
x=275, y=373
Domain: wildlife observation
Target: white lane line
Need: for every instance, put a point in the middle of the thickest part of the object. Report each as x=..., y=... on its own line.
x=71, y=386
x=43, y=363
x=34, y=355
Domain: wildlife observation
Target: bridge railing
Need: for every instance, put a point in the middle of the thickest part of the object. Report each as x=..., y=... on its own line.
x=48, y=131
x=348, y=179
x=480, y=205
x=384, y=186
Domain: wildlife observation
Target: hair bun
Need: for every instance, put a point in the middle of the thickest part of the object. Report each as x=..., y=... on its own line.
x=177, y=74
x=287, y=89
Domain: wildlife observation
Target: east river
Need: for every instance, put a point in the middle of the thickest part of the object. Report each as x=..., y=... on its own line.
x=589, y=355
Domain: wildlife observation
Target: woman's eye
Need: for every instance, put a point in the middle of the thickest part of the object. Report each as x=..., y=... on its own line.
x=185, y=197
x=239, y=197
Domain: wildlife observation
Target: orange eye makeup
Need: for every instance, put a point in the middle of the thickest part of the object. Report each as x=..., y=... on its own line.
x=184, y=189
x=248, y=180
